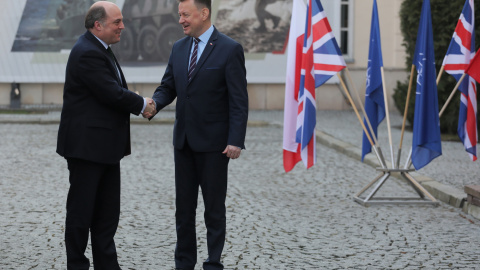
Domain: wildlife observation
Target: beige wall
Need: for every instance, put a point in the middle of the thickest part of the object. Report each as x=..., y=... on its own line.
x=393, y=53
x=261, y=96
x=5, y=89
x=391, y=78
x=52, y=93
x=389, y=21
x=34, y=93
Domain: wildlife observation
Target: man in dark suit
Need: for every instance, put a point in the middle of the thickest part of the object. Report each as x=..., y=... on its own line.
x=209, y=82
x=94, y=135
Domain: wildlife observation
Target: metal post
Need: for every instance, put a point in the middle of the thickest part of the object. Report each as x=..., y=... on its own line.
x=15, y=96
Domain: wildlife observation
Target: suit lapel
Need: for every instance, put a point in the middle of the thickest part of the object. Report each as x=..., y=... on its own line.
x=205, y=54
x=121, y=81
x=115, y=66
x=185, y=57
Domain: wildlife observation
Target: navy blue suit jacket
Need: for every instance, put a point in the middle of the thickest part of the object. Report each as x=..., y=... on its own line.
x=211, y=109
x=95, y=120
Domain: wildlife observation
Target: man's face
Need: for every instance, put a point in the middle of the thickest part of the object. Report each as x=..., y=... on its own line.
x=112, y=28
x=192, y=19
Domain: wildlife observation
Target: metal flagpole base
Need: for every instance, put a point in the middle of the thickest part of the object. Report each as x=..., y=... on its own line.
x=424, y=197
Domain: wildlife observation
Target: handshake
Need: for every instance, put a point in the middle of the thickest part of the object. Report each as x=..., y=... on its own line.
x=150, y=109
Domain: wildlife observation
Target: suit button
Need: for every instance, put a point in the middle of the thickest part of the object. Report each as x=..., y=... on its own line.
x=188, y=97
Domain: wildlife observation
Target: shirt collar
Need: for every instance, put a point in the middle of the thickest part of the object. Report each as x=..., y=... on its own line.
x=206, y=35
x=101, y=41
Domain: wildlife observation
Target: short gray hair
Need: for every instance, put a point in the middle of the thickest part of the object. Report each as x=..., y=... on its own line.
x=94, y=14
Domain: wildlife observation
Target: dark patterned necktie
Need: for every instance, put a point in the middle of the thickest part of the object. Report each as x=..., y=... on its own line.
x=193, y=59
x=110, y=52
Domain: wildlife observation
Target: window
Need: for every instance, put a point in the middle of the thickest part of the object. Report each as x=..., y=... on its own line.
x=340, y=16
x=346, y=26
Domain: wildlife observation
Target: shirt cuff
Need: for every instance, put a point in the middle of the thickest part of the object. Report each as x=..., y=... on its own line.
x=144, y=104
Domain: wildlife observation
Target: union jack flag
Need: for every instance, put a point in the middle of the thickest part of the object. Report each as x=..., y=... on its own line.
x=321, y=59
x=291, y=149
x=459, y=54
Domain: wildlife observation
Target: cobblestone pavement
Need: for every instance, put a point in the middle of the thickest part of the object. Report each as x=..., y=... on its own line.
x=305, y=219
x=453, y=168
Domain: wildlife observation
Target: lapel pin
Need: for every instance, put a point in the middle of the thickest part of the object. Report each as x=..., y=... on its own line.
x=211, y=43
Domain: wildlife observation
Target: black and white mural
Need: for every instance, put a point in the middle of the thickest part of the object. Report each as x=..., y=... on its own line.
x=151, y=26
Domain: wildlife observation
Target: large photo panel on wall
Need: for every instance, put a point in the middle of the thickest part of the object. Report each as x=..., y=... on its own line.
x=44, y=31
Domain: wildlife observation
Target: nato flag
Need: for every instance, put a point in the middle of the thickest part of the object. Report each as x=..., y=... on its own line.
x=374, y=102
x=426, y=126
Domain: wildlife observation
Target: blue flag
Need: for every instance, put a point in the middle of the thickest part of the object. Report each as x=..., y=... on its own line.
x=374, y=102
x=426, y=124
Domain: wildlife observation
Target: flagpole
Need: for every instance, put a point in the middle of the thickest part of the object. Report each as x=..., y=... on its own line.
x=361, y=106
x=440, y=73
x=387, y=115
x=378, y=150
x=408, y=163
x=451, y=95
x=354, y=108
x=407, y=101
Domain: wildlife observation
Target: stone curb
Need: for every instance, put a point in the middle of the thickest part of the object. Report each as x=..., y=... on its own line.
x=471, y=210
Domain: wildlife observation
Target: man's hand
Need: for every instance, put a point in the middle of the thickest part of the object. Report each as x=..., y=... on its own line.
x=232, y=152
x=149, y=109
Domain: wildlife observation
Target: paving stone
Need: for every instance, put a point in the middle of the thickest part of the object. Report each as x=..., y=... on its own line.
x=305, y=219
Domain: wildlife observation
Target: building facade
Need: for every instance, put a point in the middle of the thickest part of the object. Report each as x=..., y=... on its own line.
x=38, y=35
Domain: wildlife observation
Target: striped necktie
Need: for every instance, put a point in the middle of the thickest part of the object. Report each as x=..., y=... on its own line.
x=193, y=59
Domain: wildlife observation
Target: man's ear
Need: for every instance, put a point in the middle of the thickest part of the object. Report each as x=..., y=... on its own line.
x=205, y=13
x=97, y=25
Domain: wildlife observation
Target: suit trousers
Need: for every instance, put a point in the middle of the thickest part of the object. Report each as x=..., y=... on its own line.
x=93, y=204
x=207, y=170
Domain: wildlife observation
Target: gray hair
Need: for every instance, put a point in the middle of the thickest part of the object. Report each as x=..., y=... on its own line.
x=94, y=14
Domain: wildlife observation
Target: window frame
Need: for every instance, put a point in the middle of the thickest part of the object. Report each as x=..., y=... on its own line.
x=349, y=28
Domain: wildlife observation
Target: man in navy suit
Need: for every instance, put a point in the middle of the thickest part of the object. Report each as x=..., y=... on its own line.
x=93, y=136
x=209, y=82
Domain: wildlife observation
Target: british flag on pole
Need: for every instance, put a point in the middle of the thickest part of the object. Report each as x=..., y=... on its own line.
x=459, y=54
x=291, y=150
x=321, y=58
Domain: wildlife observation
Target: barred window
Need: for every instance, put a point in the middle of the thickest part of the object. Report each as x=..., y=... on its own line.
x=346, y=26
x=340, y=16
